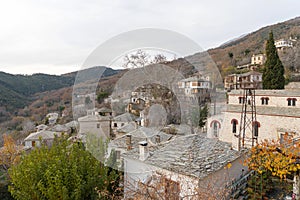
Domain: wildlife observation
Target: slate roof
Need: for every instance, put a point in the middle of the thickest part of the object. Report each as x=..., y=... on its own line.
x=104, y=110
x=268, y=110
x=191, y=155
x=93, y=118
x=60, y=128
x=127, y=128
x=44, y=134
x=138, y=135
x=125, y=117
x=194, y=78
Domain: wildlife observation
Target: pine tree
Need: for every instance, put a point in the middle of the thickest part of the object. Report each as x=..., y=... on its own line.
x=273, y=75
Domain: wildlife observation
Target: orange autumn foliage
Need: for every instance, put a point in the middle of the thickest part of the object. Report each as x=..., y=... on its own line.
x=280, y=158
x=10, y=152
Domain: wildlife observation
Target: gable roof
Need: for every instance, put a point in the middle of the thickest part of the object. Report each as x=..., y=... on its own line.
x=44, y=135
x=138, y=135
x=125, y=117
x=191, y=155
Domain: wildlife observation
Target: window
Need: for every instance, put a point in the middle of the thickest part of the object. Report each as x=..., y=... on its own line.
x=115, y=125
x=234, y=123
x=172, y=190
x=216, y=129
x=98, y=125
x=256, y=125
x=241, y=100
x=264, y=101
x=291, y=101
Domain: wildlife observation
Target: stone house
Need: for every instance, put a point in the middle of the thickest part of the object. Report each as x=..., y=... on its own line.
x=37, y=138
x=122, y=120
x=250, y=79
x=277, y=112
x=258, y=59
x=94, y=123
x=188, y=164
x=130, y=140
x=52, y=118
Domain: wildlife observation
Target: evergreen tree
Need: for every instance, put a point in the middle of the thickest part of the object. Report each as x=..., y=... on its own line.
x=273, y=75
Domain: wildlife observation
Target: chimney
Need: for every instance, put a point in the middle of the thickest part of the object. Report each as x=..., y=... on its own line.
x=157, y=139
x=128, y=141
x=143, y=150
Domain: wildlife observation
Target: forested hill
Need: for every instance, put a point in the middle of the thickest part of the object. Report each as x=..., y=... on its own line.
x=16, y=91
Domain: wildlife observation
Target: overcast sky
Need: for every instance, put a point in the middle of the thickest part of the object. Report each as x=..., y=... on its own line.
x=52, y=36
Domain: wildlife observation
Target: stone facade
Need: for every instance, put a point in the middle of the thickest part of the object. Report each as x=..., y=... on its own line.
x=277, y=112
x=258, y=59
x=193, y=162
x=94, y=123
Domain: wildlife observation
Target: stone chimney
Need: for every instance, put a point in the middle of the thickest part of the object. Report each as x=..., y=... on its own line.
x=157, y=139
x=128, y=142
x=144, y=153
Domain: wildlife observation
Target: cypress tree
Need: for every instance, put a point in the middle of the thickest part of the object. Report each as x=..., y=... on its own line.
x=273, y=75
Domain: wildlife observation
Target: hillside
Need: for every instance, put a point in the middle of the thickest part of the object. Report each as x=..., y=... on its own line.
x=18, y=91
x=244, y=47
x=24, y=98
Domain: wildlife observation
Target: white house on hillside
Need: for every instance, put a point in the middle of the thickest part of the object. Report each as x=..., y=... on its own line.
x=258, y=59
x=283, y=43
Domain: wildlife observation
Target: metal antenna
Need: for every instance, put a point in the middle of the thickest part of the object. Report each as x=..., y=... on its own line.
x=248, y=129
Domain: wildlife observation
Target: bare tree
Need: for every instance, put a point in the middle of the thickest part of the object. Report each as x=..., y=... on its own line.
x=141, y=58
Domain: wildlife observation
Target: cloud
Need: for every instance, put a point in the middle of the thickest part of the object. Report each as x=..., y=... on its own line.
x=57, y=36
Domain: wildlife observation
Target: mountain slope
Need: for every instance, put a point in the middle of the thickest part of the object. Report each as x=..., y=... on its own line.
x=244, y=47
x=18, y=91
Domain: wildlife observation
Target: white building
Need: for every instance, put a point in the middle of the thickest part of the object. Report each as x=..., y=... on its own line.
x=258, y=59
x=194, y=85
x=283, y=43
x=52, y=118
x=188, y=164
x=277, y=112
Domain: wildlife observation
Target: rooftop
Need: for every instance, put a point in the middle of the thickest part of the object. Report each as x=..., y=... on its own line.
x=104, y=110
x=192, y=155
x=125, y=117
x=88, y=118
x=138, y=135
x=127, y=128
x=44, y=134
x=194, y=78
